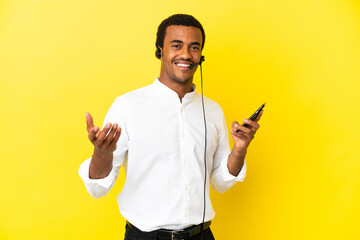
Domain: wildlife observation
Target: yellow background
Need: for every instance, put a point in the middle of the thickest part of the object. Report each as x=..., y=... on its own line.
x=59, y=59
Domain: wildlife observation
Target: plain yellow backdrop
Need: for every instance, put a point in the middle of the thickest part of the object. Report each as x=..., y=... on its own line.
x=60, y=59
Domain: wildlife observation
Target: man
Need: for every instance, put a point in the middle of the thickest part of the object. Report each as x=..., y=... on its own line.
x=157, y=133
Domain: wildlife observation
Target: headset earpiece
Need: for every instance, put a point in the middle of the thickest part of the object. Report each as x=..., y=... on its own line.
x=202, y=59
x=158, y=53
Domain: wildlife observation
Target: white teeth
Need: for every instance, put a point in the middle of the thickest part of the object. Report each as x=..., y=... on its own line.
x=182, y=65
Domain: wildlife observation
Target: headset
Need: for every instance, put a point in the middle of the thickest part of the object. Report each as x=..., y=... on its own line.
x=202, y=58
x=158, y=53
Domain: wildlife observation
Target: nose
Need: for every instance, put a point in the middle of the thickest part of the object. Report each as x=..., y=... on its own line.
x=185, y=53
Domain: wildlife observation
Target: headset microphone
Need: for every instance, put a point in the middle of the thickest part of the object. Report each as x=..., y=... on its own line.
x=194, y=64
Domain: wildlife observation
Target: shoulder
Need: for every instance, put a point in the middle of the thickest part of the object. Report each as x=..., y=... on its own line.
x=211, y=105
x=213, y=110
x=135, y=94
x=122, y=105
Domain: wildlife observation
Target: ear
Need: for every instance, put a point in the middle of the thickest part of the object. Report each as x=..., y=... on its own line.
x=158, y=52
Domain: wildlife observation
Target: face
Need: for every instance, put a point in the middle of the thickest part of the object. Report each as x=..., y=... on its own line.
x=182, y=47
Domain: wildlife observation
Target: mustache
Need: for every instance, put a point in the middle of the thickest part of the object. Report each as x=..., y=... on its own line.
x=184, y=60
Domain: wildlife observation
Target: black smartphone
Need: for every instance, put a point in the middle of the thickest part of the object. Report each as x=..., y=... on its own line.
x=252, y=117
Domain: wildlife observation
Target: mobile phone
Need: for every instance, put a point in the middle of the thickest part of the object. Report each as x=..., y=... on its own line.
x=252, y=117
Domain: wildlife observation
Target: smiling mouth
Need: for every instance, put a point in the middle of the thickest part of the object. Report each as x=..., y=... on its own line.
x=182, y=65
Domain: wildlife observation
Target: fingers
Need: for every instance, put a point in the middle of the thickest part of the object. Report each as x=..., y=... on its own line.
x=243, y=132
x=252, y=125
x=243, y=135
x=240, y=134
x=100, y=138
x=106, y=139
x=110, y=136
x=115, y=139
x=237, y=128
x=89, y=122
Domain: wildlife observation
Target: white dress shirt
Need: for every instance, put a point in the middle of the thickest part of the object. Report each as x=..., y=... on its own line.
x=162, y=150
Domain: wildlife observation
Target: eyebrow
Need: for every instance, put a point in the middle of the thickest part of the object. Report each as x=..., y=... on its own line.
x=179, y=41
x=176, y=41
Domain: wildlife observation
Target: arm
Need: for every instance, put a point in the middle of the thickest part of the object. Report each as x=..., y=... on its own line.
x=230, y=166
x=104, y=142
x=100, y=172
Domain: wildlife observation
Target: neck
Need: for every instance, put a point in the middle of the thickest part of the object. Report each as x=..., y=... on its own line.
x=180, y=88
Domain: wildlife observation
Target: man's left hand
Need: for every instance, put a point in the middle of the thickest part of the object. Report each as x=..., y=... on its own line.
x=243, y=137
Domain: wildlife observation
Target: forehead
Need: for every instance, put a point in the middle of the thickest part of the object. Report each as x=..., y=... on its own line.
x=183, y=33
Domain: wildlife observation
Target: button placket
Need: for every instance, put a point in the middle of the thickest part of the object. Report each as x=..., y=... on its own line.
x=186, y=168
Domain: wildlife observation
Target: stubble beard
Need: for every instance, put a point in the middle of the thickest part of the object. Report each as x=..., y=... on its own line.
x=180, y=80
x=173, y=77
x=177, y=80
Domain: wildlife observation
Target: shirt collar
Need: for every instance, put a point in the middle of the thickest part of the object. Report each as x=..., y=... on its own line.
x=165, y=89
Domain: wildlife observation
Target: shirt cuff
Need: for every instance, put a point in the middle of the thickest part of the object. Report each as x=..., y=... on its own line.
x=227, y=176
x=103, y=182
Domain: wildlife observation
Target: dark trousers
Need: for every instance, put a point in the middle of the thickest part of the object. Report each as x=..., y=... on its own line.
x=131, y=234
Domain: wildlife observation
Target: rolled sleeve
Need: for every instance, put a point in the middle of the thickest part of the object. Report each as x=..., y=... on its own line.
x=96, y=187
x=227, y=176
x=222, y=180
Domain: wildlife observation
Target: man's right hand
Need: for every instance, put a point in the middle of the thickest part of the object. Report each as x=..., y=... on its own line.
x=104, y=142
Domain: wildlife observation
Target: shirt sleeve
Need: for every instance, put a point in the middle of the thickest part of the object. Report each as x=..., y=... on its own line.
x=100, y=187
x=221, y=179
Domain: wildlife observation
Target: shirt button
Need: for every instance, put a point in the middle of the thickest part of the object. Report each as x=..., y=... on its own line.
x=186, y=188
x=185, y=162
x=186, y=214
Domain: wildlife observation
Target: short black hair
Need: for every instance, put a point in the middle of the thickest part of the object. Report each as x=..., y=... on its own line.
x=176, y=19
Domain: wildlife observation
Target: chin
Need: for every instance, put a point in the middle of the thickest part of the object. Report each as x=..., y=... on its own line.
x=182, y=80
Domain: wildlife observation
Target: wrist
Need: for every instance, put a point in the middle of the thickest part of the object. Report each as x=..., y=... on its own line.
x=239, y=151
x=102, y=154
x=238, y=156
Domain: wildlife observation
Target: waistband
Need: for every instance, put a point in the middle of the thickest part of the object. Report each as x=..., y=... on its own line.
x=172, y=234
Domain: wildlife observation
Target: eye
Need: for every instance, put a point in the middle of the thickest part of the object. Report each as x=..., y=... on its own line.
x=176, y=46
x=195, y=48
